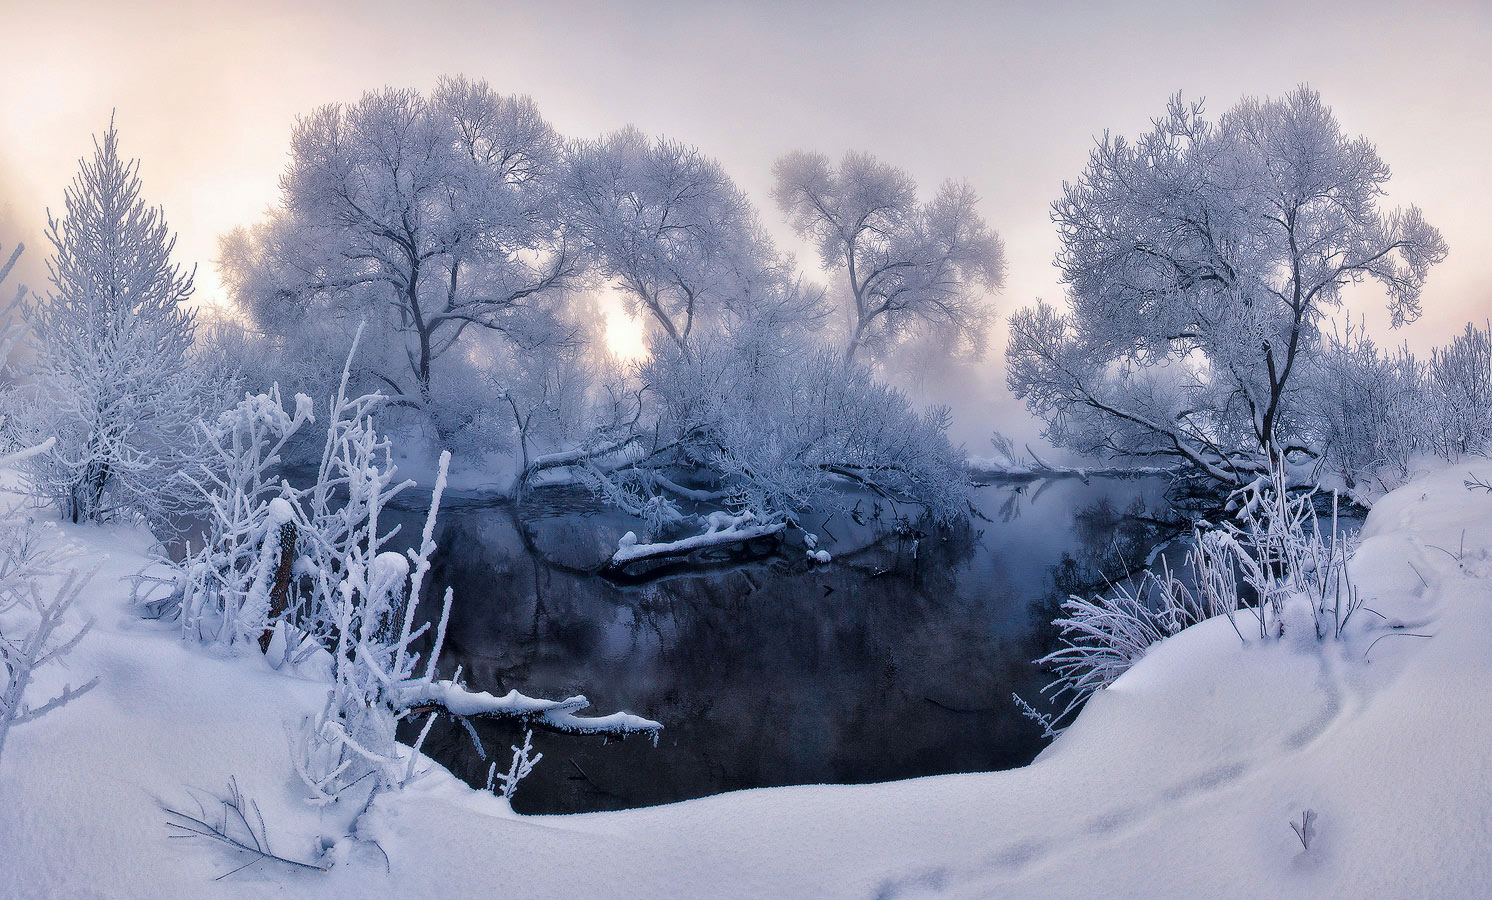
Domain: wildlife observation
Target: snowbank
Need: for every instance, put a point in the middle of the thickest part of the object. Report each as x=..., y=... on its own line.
x=1178, y=781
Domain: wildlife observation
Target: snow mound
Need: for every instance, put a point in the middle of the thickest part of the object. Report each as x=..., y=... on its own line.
x=1181, y=780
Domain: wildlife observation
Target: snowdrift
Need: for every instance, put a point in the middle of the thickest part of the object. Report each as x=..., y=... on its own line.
x=1181, y=780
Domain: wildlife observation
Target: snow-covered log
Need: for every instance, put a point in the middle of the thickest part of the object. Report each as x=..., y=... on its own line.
x=630, y=551
x=420, y=696
x=576, y=456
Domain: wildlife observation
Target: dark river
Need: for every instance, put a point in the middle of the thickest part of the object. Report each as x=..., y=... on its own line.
x=883, y=664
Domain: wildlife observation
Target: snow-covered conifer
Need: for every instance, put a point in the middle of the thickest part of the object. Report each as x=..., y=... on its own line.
x=111, y=340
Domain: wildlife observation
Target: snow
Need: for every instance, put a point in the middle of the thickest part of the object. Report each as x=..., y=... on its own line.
x=1181, y=780
x=722, y=530
x=557, y=714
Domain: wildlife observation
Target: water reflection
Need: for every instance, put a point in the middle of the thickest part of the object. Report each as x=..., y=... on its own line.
x=891, y=662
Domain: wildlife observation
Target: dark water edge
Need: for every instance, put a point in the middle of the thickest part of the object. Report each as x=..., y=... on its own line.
x=887, y=663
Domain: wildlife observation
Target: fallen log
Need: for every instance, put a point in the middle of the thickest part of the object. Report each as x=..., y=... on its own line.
x=630, y=551
x=451, y=699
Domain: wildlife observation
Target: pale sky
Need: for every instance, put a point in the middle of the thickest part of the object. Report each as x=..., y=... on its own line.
x=1007, y=96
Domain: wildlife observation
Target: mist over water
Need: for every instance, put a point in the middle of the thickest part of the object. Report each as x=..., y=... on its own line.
x=891, y=662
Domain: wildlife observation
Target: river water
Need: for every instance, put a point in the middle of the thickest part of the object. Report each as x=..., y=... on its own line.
x=889, y=662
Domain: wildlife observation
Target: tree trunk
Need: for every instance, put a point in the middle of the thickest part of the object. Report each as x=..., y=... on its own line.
x=279, y=592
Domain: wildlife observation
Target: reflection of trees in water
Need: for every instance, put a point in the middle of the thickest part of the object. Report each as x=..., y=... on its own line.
x=891, y=662
x=769, y=674
x=1112, y=547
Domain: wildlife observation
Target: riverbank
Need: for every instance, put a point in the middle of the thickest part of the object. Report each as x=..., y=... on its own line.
x=1178, y=781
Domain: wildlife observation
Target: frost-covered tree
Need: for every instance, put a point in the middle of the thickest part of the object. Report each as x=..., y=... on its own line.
x=910, y=267
x=425, y=215
x=675, y=235
x=112, y=340
x=749, y=419
x=1199, y=261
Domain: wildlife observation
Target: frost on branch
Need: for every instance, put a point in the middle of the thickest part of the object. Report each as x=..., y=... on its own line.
x=32, y=635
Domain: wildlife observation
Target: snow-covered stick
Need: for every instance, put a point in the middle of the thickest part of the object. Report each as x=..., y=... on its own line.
x=33, y=643
x=524, y=760
x=235, y=823
x=421, y=560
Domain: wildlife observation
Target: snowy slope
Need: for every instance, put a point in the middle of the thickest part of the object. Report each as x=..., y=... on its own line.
x=1178, y=781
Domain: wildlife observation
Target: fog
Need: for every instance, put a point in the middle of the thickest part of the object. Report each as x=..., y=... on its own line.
x=1008, y=97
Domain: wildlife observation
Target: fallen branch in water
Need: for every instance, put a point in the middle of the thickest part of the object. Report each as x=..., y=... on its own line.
x=737, y=531
x=454, y=700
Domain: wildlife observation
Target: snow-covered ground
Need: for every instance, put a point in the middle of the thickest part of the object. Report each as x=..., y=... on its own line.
x=1178, y=781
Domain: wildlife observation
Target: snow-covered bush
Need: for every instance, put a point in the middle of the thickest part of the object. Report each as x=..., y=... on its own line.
x=1274, y=561
x=1366, y=412
x=1460, y=388
x=1105, y=635
x=775, y=434
x=251, y=544
x=1284, y=554
x=276, y=555
x=303, y=572
x=32, y=624
x=112, y=341
x=351, y=741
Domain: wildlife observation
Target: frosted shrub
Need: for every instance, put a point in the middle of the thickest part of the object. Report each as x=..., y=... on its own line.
x=1367, y=412
x=33, y=635
x=33, y=629
x=1273, y=552
x=1460, y=384
x=524, y=760
x=1103, y=636
x=351, y=741
x=225, y=594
